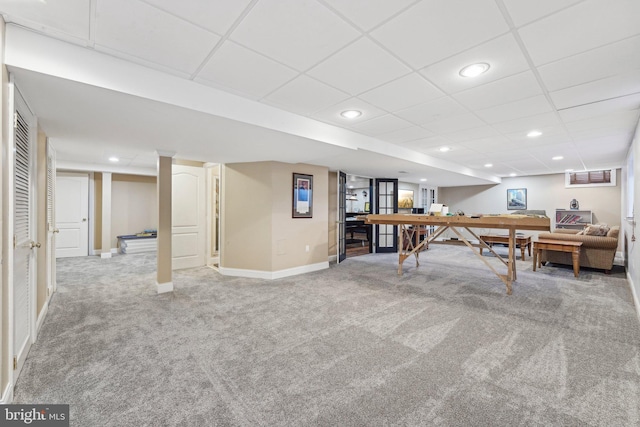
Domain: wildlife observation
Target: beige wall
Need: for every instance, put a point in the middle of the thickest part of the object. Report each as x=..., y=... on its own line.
x=134, y=205
x=259, y=232
x=545, y=192
x=332, y=203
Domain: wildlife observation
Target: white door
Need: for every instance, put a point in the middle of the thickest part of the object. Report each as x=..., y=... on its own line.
x=23, y=271
x=188, y=216
x=72, y=214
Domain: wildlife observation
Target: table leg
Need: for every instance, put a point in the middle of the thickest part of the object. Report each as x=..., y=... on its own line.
x=575, y=257
x=512, y=253
x=529, y=248
x=522, y=251
x=535, y=258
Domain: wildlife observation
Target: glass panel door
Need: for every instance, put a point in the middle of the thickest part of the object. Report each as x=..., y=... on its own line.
x=387, y=203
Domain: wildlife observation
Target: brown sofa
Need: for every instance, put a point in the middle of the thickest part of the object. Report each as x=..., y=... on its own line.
x=595, y=252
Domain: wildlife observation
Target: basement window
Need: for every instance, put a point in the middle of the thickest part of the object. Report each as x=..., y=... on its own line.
x=598, y=178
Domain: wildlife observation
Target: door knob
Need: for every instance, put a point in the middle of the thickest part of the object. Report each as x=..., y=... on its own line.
x=33, y=244
x=56, y=230
x=84, y=219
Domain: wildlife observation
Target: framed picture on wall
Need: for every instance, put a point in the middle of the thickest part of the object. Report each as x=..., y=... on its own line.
x=516, y=198
x=302, y=195
x=405, y=199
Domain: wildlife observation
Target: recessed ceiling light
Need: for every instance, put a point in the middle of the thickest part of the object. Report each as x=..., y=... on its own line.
x=444, y=149
x=114, y=159
x=534, y=133
x=474, y=70
x=403, y=172
x=557, y=158
x=351, y=114
x=488, y=165
x=513, y=174
x=568, y=170
x=423, y=179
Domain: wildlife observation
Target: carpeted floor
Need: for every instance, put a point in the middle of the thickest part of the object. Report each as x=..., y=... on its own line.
x=354, y=345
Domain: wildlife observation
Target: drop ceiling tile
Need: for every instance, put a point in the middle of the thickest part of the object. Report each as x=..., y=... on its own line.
x=619, y=119
x=523, y=12
x=367, y=14
x=533, y=106
x=474, y=134
x=381, y=125
x=458, y=154
x=432, y=111
x=407, y=134
x=299, y=33
x=304, y=95
x=140, y=30
x=244, y=71
x=332, y=114
x=585, y=26
x=404, y=92
x=359, y=67
x=625, y=103
x=607, y=61
x=599, y=90
x=213, y=15
x=502, y=54
x=454, y=123
x=436, y=29
x=550, y=135
x=529, y=123
x=503, y=91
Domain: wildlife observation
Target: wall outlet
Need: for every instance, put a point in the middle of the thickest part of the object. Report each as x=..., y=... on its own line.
x=306, y=248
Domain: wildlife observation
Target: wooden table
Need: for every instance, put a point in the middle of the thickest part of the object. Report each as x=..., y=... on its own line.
x=409, y=223
x=557, y=245
x=522, y=242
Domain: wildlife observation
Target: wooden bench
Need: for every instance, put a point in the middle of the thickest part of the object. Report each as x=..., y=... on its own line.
x=522, y=242
x=557, y=245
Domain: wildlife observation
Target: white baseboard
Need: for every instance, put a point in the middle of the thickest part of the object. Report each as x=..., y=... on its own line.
x=7, y=395
x=270, y=275
x=96, y=252
x=164, y=287
x=42, y=315
x=619, y=258
x=333, y=258
x=636, y=301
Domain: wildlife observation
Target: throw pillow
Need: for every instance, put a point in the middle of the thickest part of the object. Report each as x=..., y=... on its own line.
x=596, y=230
x=613, y=232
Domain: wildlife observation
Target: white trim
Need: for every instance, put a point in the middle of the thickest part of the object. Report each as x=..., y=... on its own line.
x=105, y=255
x=618, y=258
x=333, y=258
x=636, y=301
x=114, y=250
x=65, y=165
x=270, y=275
x=164, y=287
x=7, y=395
x=42, y=315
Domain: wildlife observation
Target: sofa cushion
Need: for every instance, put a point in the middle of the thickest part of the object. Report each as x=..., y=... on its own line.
x=595, y=230
x=614, y=232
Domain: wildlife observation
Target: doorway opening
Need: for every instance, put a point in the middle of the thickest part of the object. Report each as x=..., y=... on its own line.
x=358, y=201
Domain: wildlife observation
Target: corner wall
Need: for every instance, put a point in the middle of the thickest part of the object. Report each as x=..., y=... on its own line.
x=628, y=228
x=259, y=235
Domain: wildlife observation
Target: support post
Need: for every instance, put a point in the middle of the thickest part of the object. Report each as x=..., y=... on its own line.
x=164, y=279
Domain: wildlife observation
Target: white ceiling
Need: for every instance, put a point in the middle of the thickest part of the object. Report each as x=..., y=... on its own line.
x=568, y=68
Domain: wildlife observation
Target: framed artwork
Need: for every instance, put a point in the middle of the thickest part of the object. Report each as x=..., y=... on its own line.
x=516, y=198
x=302, y=196
x=405, y=199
